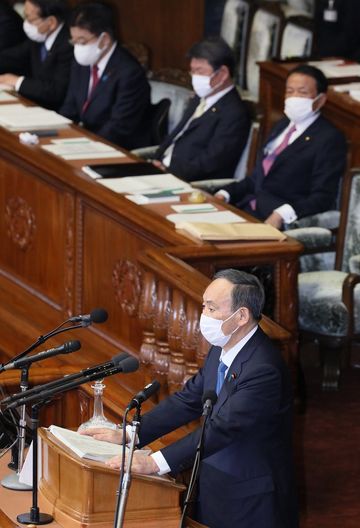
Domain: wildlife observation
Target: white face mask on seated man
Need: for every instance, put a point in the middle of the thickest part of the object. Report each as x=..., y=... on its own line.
x=88, y=54
x=298, y=109
x=33, y=33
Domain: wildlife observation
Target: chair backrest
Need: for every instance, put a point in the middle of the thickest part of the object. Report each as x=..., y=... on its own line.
x=300, y=7
x=348, y=239
x=297, y=39
x=235, y=25
x=159, y=120
x=246, y=161
x=264, y=44
x=178, y=95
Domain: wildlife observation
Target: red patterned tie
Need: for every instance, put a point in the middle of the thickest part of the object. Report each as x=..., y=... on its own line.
x=94, y=83
x=270, y=158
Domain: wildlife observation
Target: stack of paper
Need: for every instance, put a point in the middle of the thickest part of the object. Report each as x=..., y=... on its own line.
x=18, y=117
x=5, y=97
x=218, y=217
x=146, y=184
x=337, y=68
x=243, y=231
x=81, y=148
x=346, y=87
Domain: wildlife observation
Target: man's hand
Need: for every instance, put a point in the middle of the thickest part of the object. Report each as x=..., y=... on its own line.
x=142, y=464
x=219, y=196
x=106, y=435
x=275, y=220
x=159, y=165
x=9, y=79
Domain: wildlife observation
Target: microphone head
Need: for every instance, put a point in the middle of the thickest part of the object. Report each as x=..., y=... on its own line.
x=98, y=315
x=116, y=360
x=210, y=395
x=130, y=364
x=71, y=346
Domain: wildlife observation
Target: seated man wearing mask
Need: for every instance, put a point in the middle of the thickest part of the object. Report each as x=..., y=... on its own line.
x=210, y=137
x=108, y=90
x=40, y=66
x=246, y=477
x=297, y=173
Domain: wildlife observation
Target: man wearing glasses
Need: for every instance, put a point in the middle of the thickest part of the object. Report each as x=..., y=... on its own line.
x=39, y=68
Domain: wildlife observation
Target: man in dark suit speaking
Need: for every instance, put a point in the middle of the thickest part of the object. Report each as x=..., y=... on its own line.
x=297, y=173
x=246, y=475
x=40, y=65
x=210, y=137
x=108, y=91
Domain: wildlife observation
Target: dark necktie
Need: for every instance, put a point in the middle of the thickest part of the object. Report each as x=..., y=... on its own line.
x=43, y=52
x=220, y=376
x=94, y=82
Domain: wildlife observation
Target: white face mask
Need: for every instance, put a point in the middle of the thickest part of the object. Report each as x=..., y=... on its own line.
x=33, y=33
x=201, y=84
x=211, y=329
x=88, y=54
x=298, y=109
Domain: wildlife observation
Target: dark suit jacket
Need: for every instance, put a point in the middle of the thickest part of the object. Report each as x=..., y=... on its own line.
x=119, y=107
x=11, y=25
x=45, y=82
x=246, y=477
x=212, y=144
x=305, y=175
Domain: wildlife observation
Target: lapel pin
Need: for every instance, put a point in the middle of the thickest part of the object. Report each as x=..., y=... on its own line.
x=233, y=375
x=307, y=138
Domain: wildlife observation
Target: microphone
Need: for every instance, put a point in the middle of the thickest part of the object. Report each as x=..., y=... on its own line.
x=66, y=348
x=98, y=315
x=209, y=399
x=97, y=369
x=143, y=395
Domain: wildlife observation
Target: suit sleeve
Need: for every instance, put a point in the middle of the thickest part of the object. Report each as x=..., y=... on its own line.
x=50, y=91
x=69, y=108
x=226, y=145
x=249, y=408
x=130, y=104
x=16, y=60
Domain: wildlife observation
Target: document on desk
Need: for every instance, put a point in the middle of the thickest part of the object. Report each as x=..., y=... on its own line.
x=18, y=117
x=5, y=97
x=81, y=148
x=219, y=217
x=346, y=87
x=337, y=68
x=141, y=184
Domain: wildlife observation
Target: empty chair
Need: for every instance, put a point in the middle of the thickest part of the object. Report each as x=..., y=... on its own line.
x=178, y=96
x=329, y=300
x=297, y=38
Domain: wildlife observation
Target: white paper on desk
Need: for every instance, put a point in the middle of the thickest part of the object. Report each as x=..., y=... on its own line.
x=355, y=94
x=26, y=473
x=346, y=87
x=18, y=117
x=194, y=208
x=140, y=184
x=219, y=217
x=5, y=97
x=346, y=70
x=83, y=150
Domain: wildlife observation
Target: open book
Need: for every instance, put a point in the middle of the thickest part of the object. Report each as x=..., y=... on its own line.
x=85, y=446
x=240, y=231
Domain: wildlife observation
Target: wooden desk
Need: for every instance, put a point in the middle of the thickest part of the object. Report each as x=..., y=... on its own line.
x=340, y=108
x=68, y=245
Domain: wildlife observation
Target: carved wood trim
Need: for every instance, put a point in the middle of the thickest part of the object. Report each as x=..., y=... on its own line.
x=20, y=222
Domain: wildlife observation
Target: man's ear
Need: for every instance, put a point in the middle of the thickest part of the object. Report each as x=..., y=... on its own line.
x=319, y=102
x=243, y=316
x=53, y=22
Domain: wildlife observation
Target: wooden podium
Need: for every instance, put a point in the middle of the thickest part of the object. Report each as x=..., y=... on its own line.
x=81, y=493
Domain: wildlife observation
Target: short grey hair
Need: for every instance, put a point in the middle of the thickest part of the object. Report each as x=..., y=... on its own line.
x=248, y=291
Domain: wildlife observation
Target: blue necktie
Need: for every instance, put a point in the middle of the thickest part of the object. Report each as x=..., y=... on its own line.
x=43, y=52
x=220, y=376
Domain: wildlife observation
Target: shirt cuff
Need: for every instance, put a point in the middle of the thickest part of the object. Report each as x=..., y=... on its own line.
x=161, y=462
x=19, y=83
x=287, y=213
x=225, y=194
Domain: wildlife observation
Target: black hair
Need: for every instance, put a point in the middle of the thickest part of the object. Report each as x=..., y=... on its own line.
x=216, y=51
x=56, y=8
x=315, y=73
x=96, y=17
x=248, y=291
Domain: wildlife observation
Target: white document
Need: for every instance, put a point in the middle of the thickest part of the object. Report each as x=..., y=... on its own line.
x=194, y=208
x=219, y=217
x=26, y=473
x=141, y=184
x=85, y=446
x=18, y=117
x=72, y=150
x=346, y=87
x=5, y=97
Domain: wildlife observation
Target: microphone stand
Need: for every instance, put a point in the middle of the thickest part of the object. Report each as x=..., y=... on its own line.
x=126, y=481
x=34, y=516
x=194, y=473
x=12, y=481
